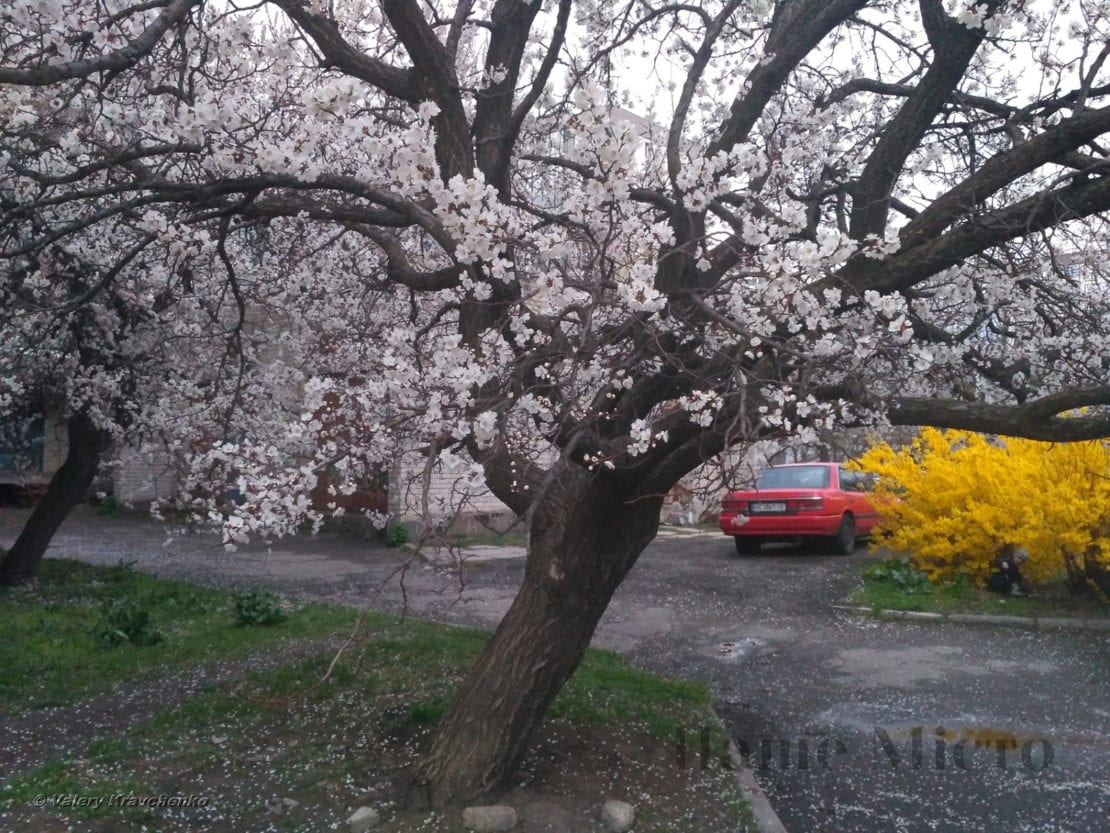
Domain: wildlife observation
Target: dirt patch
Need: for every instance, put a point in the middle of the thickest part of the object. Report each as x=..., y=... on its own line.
x=273, y=776
x=31, y=738
x=288, y=748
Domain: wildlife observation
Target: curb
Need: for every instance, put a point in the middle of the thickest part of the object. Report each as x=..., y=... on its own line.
x=1027, y=622
x=764, y=815
x=673, y=533
x=466, y=556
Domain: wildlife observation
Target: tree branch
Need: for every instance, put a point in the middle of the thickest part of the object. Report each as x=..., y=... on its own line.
x=540, y=81
x=342, y=56
x=976, y=235
x=493, y=113
x=174, y=12
x=1036, y=420
x=1002, y=169
x=798, y=26
x=690, y=85
x=954, y=46
x=436, y=81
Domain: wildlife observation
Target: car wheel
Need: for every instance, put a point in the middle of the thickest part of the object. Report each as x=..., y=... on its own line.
x=844, y=542
x=747, y=546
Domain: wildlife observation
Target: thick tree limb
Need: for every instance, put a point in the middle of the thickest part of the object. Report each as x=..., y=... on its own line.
x=798, y=26
x=436, y=81
x=690, y=85
x=539, y=83
x=273, y=207
x=1079, y=199
x=173, y=13
x=888, y=88
x=399, y=268
x=1038, y=419
x=1003, y=168
x=493, y=139
x=514, y=480
x=337, y=53
x=954, y=46
x=213, y=195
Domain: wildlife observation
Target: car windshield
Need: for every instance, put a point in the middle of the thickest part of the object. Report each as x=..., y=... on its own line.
x=794, y=477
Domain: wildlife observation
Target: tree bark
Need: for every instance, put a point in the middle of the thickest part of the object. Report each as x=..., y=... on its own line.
x=585, y=537
x=70, y=484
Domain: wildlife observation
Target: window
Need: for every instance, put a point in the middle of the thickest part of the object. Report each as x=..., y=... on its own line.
x=794, y=477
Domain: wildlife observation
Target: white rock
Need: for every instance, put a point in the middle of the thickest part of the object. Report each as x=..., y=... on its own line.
x=363, y=819
x=290, y=803
x=618, y=816
x=493, y=818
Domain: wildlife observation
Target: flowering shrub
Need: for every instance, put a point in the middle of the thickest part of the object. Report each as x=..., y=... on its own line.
x=952, y=499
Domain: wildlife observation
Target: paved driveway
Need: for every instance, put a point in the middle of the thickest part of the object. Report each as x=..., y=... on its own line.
x=902, y=727
x=920, y=728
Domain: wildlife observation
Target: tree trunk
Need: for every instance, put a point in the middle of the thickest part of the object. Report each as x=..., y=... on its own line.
x=1096, y=572
x=585, y=537
x=68, y=486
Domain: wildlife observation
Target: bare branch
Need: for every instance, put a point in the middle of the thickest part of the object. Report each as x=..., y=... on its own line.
x=1051, y=145
x=1036, y=420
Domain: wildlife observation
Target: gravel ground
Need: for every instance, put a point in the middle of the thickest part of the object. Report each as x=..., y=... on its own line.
x=792, y=675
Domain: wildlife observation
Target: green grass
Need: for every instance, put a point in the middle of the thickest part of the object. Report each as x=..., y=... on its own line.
x=45, y=635
x=60, y=778
x=405, y=678
x=884, y=592
x=406, y=674
x=607, y=690
x=382, y=698
x=515, y=537
x=50, y=656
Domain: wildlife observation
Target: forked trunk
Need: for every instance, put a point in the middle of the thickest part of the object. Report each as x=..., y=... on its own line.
x=68, y=486
x=585, y=537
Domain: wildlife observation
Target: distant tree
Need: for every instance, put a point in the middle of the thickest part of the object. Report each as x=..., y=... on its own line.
x=832, y=212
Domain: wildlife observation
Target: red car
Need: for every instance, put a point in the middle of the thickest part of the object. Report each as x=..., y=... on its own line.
x=800, y=500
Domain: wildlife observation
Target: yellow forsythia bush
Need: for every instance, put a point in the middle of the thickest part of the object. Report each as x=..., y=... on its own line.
x=952, y=499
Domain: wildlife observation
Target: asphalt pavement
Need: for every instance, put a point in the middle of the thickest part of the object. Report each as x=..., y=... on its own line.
x=851, y=724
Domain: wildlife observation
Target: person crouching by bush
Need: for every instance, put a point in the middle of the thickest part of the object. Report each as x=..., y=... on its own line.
x=1007, y=577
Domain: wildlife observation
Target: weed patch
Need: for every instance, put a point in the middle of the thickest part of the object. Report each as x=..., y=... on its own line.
x=258, y=608
x=53, y=633
x=894, y=584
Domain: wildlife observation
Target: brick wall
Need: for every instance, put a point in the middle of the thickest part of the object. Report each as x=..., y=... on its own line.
x=444, y=497
x=143, y=475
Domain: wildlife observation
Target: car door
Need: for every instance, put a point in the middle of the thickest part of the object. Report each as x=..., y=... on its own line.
x=852, y=484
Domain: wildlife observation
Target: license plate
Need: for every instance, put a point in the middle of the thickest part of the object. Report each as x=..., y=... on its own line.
x=769, y=506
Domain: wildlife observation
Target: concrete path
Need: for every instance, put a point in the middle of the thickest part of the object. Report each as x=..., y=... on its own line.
x=883, y=713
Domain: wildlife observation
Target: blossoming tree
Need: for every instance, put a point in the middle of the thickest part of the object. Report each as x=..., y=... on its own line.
x=381, y=225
